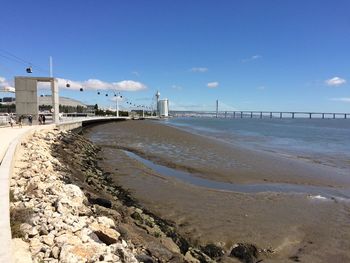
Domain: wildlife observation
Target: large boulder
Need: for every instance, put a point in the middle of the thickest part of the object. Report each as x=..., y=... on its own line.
x=104, y=233
x=246, y=253
x=70, y=200
x=80, y=253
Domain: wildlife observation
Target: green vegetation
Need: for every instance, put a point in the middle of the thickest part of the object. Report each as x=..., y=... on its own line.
x=8, y=108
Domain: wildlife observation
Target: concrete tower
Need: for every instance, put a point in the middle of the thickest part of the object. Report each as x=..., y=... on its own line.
x=158, y=96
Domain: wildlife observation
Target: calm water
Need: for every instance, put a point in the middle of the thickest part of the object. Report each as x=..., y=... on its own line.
x=323, y=193
x=324, y=141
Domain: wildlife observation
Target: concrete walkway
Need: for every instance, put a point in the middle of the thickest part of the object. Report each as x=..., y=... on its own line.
x=9, y=138
x=8, y=134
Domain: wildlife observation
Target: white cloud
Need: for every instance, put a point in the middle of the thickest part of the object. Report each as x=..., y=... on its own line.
x=90, y=84
x=252, y=58
x=344, y=99
x=336, y=81
x=129, y=85
x=3, y=82
x=96, y=84
x=5, y=85
x=199, y=69
x=213, y=85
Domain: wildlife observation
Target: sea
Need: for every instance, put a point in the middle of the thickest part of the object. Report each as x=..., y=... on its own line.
x=323, y=141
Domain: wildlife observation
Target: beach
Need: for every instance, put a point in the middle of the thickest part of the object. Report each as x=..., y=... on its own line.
x=287, y=226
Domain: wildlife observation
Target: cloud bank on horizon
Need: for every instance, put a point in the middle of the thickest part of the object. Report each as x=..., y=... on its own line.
x=96, y=84
x=344, y=99
x=90, y=84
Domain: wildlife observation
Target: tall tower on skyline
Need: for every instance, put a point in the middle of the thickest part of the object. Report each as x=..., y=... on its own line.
x=157, y=96
x=217, y=108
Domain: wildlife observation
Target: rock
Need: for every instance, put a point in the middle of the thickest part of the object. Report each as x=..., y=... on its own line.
x=21, y=252
x=48, y=239
x=43, y=229
x=137, y=216
x=79, y=253
x=145, y=259
x=213, y=251
x=100, y=201
x=70, y=199
x=170, y=245
x=67, y=238
x=124, y=254
x=110, y=258
x=35, y=246
x=106, y=221
x=199, y=255
x=55, y=252
x=33, y=232
x=76, y=226
x=105, y=234
x=21, y=182
x=247, y=253
x=159, y=251
x=190, y=259
x=26, y=228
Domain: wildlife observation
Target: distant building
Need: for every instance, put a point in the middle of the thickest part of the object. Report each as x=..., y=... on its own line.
x=163, y=107
x=90, y=109
x=8, y=99
x=46, y=100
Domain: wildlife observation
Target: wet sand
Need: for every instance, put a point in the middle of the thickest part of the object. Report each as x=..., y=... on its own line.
x=293, y=225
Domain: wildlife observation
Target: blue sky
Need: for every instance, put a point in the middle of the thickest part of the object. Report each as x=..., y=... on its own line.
x=251, y=55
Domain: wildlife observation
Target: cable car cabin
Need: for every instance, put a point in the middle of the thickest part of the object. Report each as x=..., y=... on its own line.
x=29, y=70
x=81, y=89
x=68, y=85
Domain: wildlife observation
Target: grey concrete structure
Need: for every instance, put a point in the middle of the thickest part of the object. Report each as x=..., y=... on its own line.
x=47, y=100
x=27, y=96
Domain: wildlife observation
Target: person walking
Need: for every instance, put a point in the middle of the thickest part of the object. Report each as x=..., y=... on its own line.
x=20, y=120
x=43, y=119
x=12, y=121
x=30, y=119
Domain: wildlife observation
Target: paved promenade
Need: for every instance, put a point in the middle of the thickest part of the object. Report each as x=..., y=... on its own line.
x=9, y=137
x=8, y=134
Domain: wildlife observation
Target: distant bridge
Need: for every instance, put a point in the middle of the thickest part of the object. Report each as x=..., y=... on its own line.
x=261, y=114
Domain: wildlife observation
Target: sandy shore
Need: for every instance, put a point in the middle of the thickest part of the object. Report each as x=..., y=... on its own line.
x=294, y=226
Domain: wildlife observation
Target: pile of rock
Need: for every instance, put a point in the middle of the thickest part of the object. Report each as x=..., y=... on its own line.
x=62, y=227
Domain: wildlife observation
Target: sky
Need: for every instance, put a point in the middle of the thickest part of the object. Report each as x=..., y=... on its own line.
x=290, y=55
